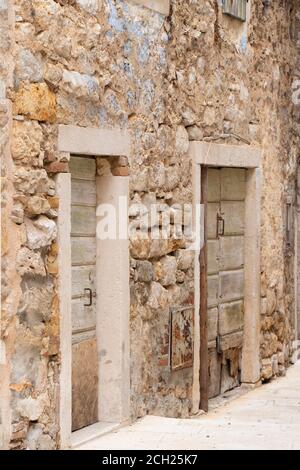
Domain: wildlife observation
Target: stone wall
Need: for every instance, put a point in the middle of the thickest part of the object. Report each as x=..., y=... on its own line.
x=191, y=76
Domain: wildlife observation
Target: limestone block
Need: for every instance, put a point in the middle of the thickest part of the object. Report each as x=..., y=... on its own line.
x=33, y=181
x=231, y=317
x=172, y=178
x=165, y=270
x=28, y=66
x=35, y=101
x=181, y=141
x=144, y=271
x=35, y=305
x=26, y=142
x=157, y=175
x=81, y=85
x=32, y=408
x=37, y=205
x=195, y=133
x=30, y=262
x=185, y=259
x=91, y=6
x=140, y=179
x=158, y=296
x=40, y=232
x=209, y=117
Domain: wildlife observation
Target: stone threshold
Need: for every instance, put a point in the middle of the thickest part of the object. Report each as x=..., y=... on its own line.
x=94, y=431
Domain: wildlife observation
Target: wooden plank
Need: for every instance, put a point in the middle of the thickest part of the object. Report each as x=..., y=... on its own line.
x=213, y=209
x=213, y=249
x=231, y=317
x=83, y=251
x=231, y=252
x=83, y=221
x=212, y=323
x=84, y=192
x=83, y=168
x=213, y=185
x=82, y=317
x=233, y=184
x=84, y=384
x=212, y=290
x=203, y=301
x=82, y=277
x=234, y=214
x=231, y=285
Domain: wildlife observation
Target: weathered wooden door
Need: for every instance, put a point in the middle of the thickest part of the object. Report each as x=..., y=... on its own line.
x=83, y=246
x=225, y=270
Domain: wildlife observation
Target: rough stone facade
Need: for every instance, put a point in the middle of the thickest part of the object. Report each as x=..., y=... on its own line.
x=193, y=75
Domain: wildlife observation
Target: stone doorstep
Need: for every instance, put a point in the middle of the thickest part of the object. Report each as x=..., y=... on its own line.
x=94, y=431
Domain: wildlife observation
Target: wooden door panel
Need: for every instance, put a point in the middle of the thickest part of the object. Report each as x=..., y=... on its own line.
x=84, y=384
x=83, y=168
x=233, y=213
x=83, y=221
x=231, y=253
x=233, y=184
x=83, y=249
x=231, y=286
x=83, y=317
x=83, y=192
x=231, y=317
x=83, y=276
x=225, y=263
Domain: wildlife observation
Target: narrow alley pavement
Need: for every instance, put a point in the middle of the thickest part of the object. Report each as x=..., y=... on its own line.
x=265, y=418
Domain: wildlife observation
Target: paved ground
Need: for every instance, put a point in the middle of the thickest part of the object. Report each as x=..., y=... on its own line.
x=265, y=418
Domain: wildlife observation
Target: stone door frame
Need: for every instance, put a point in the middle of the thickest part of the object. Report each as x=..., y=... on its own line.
x=233, y=156
x=112, y=269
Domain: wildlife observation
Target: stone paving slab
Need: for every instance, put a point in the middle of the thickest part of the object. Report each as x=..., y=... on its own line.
x=265, y=418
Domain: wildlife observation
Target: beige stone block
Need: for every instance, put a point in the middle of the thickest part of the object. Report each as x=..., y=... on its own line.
x=234, y=215
x=213, y=185
x=231, y=317
x=36, y=101
x=231, y=285
x=233, y=184
x=213, y=256
x=231, y=252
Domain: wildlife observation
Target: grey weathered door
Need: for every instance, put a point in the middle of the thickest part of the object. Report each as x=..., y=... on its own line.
x=83, y=248
x=225, y=254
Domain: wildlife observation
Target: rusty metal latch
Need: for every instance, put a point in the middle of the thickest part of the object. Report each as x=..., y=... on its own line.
x=90, y=294
x=220, y=226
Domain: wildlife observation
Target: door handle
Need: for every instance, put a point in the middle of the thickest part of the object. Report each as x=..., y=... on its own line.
x=220, y=226
x=90, y=294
